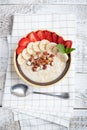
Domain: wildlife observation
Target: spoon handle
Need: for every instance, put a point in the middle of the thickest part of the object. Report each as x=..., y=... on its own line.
x=64, y=95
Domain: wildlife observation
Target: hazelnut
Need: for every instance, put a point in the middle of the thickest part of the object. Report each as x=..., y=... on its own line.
x=44, y=62
x=40, y=61
x=51, y=63
x=50, y=59
x=36, y=66
x=47, y=61
x=43, y=56
x=45, y=53
x=35, y=61
x=51, y=55
x=38, y=53
x=34, y=69
x=32, y=56
x=44, y=67
x=30, y=59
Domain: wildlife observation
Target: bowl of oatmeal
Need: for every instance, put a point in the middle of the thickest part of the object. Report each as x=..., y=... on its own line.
x=37, y=59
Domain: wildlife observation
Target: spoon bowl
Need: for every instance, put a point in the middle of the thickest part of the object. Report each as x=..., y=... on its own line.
x=22, y=90
x=19, y=90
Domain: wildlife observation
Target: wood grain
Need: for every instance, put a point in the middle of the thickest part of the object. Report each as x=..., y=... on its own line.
x=43, y=1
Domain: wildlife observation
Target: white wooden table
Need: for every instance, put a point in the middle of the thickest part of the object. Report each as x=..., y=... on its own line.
x=79, y=8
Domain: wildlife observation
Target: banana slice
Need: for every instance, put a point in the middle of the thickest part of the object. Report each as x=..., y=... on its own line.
x=50, y=46
x=62, y=57
x=43, y=45
x=30, y=48
x=25, y=54
x=36, y=46
x=20, y=59
x=55, y=50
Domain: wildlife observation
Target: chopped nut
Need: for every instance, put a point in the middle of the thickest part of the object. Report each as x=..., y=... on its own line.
x=47, y=61
x=34, y=69
x=32, y=56
x=51, y=55
x=45, y=53
x=44, y=67
x=51, y=63
x=36, y=65
x=35, y=61
x=28, y=63
x=38, y=53
x=50, y=59
x=38, y=68
x=41, y=61
x=43, y=56
x=30, y=59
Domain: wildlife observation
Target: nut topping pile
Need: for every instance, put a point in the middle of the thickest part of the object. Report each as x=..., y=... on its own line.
x=40, y=61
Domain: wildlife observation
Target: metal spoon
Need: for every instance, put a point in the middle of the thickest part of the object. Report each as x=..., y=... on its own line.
x=22, y=90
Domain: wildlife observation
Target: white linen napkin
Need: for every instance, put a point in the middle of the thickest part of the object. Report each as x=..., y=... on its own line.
x=46, y=107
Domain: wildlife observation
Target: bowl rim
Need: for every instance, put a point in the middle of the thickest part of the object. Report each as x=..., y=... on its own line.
x=35, y=85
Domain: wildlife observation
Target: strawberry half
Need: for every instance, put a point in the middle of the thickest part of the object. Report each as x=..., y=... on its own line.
x=19, y=50
x=24, y=42
x=48, y=35
x=68, y=43
x=54, y=37
x=33, y=37
x=60, y=40
x=40, y=34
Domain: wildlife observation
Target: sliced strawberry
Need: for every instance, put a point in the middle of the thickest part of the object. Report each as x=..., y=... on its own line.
x=60, y=40
x=68, y=43
x=48, y=35
x=54, y=37
x=19, y=50
x=33, y=37
x=24, y=42
x=40, y=34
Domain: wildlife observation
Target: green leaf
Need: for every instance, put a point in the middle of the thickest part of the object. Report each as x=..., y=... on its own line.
x=61, y=48
x=69, y=50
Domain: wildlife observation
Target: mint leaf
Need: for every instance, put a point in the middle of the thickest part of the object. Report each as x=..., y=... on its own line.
x=69, y=50
x=61, y=48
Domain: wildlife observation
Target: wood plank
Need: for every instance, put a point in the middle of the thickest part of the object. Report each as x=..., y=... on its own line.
x=43, y=2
